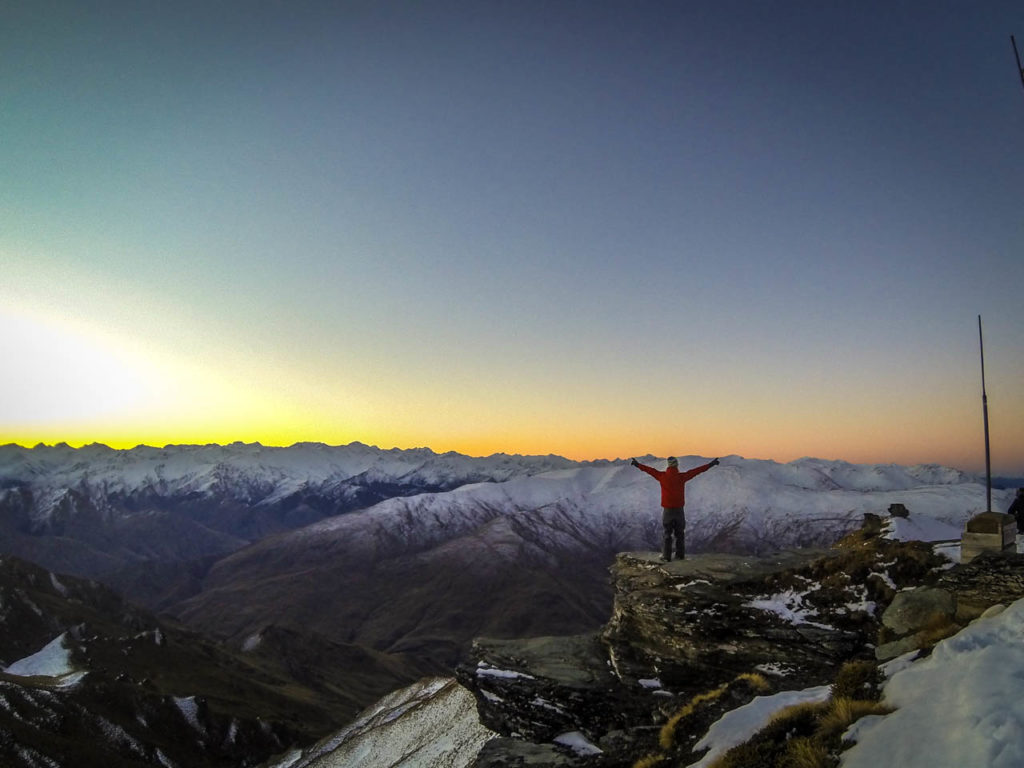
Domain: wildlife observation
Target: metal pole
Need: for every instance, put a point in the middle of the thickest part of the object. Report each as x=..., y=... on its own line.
x=1020, y=69
x=984, y=408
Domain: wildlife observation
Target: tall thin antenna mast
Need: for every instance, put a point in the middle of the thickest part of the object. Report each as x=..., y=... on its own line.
x=1020, y=69
x=984, y=408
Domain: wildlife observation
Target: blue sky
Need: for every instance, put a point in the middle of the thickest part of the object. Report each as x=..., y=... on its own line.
x=594, y=229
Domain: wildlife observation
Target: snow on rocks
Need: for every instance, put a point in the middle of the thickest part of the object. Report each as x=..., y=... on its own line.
x=739, y=724
x=788, y=606
x=189, y=708
x=432, y=722
x=962, y=703
x=485, y=670
x=578, y=743
x=53, y=660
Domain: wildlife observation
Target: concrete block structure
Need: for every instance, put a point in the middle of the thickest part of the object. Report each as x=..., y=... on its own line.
x=988, y=532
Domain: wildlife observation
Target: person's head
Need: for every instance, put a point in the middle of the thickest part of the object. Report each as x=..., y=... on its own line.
x=673, y=461
x=1020, y=491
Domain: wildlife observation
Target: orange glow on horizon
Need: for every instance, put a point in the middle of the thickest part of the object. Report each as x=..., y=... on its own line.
x=191, y=401
x=969, y=456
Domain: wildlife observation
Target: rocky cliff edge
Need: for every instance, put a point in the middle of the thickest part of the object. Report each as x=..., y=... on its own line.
x=692, y=639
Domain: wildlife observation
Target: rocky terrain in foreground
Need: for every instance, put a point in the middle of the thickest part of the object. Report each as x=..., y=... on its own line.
x=691, y=640
x=88, y=680
x=687, y=642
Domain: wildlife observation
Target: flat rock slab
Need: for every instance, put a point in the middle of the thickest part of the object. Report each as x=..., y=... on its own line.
x=577, y=660
x=722, y=568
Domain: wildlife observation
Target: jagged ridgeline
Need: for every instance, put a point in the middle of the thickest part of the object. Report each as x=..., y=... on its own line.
x=91, y=680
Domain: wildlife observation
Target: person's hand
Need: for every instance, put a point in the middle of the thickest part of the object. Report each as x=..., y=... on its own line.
x=714, y=462
x=634, y=462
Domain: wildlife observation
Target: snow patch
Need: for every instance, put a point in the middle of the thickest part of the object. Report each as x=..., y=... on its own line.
x=57, y=585
x=774, y=668
x=545, y=704
x=190, y=710
x=788, y=606
x=962, y=703
x=740, y=724
x=53, y=660
x=483, y=669
x=578, y=743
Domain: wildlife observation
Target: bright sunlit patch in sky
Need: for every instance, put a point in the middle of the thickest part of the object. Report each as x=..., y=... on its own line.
x=58, y=373
x=70, y=382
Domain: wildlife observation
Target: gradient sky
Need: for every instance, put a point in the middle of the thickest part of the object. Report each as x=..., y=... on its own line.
x=588, y=228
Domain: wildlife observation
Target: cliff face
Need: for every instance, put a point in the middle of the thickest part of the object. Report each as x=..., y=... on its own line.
x=690, y=640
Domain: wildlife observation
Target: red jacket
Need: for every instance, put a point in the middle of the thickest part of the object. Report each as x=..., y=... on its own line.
x=673, y=482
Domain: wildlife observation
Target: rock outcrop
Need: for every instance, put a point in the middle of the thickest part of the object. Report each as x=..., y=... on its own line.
x=703, y=621
x=987, y=580
x=692, y=639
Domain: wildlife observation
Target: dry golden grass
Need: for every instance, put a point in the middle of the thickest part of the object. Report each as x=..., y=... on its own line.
x=804, y=735
x=801, y=736
x=805, y=752
x=668, y=731
x=859, y=679
x=649, y=761
x=795, y=711
x=843, y=712
x=939, y=628
x=756, y=680
x=667, y=736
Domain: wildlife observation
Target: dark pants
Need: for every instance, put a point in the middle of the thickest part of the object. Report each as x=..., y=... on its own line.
x=674, y=522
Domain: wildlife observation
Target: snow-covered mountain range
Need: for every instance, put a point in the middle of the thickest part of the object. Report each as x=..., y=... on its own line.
x=98, y=512
x=262, y=476
x=343, y=478
x=412, y=554
x=414, y=551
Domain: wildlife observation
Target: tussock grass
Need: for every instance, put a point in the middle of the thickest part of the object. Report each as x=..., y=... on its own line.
x=760, y=754
x=805, y=735
x=859, y=679
x=649, y=761
x=667, y=736
x=806, y=752
x=938, y=628
x=788, y=741
x=843, y=712
x=801, y=713
x=757, y=681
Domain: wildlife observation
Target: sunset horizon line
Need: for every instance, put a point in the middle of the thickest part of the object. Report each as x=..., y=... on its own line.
x=129, y=445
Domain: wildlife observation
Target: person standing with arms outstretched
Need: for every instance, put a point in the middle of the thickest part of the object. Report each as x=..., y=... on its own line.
x=673, y=499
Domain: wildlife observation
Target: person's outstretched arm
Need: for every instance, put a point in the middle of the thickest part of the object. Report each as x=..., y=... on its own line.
x=690, y=474
x=643, y=467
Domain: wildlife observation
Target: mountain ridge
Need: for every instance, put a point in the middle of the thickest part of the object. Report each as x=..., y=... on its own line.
x=416, y=554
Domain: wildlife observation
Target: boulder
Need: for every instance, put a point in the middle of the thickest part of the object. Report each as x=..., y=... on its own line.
x=538, y=688
x=916, y=609
x=989, y=579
